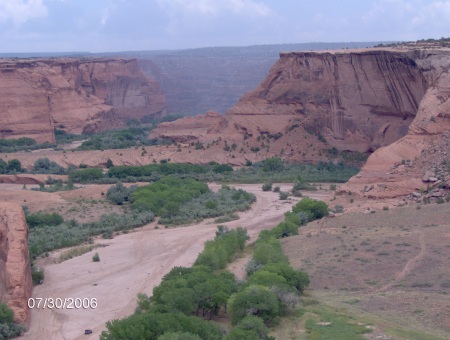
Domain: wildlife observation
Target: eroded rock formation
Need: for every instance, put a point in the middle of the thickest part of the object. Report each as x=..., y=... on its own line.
x=15, y=271
x=358, y=101
x=75, y=95
x=392, y=100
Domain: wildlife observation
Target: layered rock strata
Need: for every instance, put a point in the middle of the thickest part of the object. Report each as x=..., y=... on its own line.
x=75, y=95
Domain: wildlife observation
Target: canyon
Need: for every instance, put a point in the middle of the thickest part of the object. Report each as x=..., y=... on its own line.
x=77, y=95
x=394, y=101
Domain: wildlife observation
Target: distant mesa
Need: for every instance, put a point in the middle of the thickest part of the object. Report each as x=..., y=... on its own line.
x=73, y=94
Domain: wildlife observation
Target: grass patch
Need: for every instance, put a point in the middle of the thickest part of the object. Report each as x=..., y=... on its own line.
x=74, y=252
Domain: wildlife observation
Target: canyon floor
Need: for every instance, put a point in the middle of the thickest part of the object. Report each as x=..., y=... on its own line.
x=134, y=263
x=387, y=268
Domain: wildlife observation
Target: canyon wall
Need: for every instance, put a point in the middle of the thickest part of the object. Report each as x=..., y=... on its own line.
x=75, y=95
x=358, y=101
x=15, y=271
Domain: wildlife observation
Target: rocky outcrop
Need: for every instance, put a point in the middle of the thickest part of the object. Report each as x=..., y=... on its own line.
x=392, y=100
x=418, y=161
x=15, y=271
x=75, y=95
x=357, y=100
x=189, y=129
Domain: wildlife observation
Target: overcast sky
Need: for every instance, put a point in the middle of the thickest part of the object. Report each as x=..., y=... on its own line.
x=120, y=25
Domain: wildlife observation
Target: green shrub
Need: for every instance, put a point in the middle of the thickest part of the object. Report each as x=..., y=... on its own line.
x=119, y=194
x=41, y=218
x=8, y=329
x=37, y=275
x=272, y=164
x=45, y=238
x=276, y=189
x=96, y=258
x=165, y=196
x=254, y=300
x=284, y=195
x=152, y=325
x=85, y=175
x=46, y=166
x=249, y=328
x=314, y=208
x=267, y=187
x=222, y=249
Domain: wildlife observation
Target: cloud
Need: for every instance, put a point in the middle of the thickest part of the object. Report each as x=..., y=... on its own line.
x=21, y=11
x=212, y=7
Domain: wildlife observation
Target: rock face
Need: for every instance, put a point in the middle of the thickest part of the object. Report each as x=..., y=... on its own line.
x=15, y=271
x=417, y=160
x=392, y=100
x=75, y=95
x=358, y=101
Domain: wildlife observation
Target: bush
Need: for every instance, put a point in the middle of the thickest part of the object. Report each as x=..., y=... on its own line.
x=85, y=175
x=249, y=328
x=8, y=329
x=222, y=249
x=96, y=258
x=267, y=187
x=12, y=167
x=272, y=164
x=165, y=196
x=119, y=194
x=45, y=238
x=313, y=208
x=152, y=325
x=276, y=189
x=254, y=300
x=41, y=218
x=37, y=275
x=284, y=195
x=224, y=202
x=46, y=166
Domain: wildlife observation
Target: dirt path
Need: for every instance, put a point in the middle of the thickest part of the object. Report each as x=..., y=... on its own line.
x=131, y=264
x=409, y=265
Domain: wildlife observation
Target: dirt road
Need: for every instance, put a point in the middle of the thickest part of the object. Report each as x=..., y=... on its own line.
x=134, y=263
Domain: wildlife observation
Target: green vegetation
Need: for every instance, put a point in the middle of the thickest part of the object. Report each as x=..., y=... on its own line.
x=153, y=325
x=224, y=202
x=222, y=249
x=267, y=187
x=46, y=166
x=12, y=167
x=260, y=300
x=96, y=258
x=22, y=144
x=273, y=171
x=119, y=194
x=155, y=171
x=331, y=325
x=54, y=185
x=313, y=208
x=41, y=218
x=119, y=139
x=74, y=252
x=271, y=291
x=43, y=238
x=85, y=175
x=8, y=329
x=165, y=196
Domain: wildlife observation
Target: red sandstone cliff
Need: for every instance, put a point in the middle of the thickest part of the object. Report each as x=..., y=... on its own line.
x=358, y=101
x=395, y=101
x=15, y=271
x=76, y=95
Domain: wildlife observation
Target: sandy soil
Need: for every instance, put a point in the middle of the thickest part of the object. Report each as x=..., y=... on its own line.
x=134, y=263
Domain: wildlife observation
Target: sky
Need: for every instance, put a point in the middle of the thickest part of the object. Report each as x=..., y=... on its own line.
x=133, y=25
